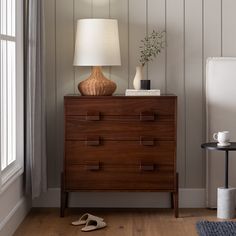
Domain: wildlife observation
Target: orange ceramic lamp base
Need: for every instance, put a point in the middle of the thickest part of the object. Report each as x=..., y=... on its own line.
x=97, y=84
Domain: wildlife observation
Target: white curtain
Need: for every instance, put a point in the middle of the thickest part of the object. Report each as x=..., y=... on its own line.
x=35, y=163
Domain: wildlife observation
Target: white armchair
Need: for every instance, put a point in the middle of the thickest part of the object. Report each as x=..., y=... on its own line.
x=221, y=115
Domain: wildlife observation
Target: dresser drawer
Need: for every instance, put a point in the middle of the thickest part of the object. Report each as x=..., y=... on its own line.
x=118, y=130
x=123, y=177
x=120, y=106
x=120, y=152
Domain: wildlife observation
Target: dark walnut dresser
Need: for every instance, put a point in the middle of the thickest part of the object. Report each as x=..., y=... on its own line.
x=120, y=143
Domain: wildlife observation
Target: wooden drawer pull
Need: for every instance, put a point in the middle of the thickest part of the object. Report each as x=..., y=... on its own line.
x=147, y=167
x=93, y=166
x=147, y=116
x=145, y=141
x=93, y=116
x=93, y=141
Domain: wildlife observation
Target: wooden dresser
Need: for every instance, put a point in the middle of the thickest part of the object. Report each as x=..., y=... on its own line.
x=120, y=143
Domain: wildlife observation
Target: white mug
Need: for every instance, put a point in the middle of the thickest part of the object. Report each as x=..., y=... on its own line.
x=222, y=137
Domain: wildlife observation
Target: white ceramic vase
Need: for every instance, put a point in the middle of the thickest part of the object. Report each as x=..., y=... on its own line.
x=138, y=77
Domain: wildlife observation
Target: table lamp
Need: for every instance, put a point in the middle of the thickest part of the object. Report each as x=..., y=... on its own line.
x=97, y=45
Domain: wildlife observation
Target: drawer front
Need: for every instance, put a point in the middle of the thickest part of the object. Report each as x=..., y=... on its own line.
x=119, y=130
x=120, y=152
x=123, y=177
x=161, y=106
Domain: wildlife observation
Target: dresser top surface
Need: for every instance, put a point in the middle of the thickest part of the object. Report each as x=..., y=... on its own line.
x=75, y=96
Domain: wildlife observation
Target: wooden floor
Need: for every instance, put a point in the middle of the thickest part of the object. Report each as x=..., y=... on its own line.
x=145, y=222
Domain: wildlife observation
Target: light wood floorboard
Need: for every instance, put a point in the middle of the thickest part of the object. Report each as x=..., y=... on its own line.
x=121, y=222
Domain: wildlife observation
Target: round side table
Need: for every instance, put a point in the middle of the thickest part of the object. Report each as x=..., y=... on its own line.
x=225, y=208
x=231, y=147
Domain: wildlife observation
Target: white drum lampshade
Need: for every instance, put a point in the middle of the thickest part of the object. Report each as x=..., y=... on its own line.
x=97, y=44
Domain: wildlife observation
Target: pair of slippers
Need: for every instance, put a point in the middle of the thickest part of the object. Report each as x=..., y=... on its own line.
x=91, y=222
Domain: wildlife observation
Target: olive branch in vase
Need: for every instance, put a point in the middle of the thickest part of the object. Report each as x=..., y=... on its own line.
x=152, y=46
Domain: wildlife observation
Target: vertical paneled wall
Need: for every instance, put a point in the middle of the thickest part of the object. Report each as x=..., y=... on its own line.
x=196, y=29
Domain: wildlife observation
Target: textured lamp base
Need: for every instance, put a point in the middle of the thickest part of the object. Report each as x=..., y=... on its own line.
x=97, y=84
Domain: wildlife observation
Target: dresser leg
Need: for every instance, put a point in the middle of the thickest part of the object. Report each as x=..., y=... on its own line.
x=67, y=199
x=172, y=200
x=176, y=197
x=63, y=196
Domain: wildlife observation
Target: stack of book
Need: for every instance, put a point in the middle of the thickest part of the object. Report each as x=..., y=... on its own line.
x=151, y=92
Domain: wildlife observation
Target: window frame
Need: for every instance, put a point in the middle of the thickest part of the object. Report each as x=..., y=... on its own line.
x=16, y=168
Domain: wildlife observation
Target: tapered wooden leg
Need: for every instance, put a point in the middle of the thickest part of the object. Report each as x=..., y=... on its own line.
x=67, y=199
x=63, y=196
x=172, y=200
x=176, y=197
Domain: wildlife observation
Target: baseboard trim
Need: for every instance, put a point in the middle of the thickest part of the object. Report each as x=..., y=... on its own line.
x=11, y=222
x=188, y=198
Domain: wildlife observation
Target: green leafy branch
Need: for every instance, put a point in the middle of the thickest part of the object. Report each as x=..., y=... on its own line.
x=152, y=45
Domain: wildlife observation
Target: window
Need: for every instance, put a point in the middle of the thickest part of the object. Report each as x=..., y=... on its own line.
x=11, y=88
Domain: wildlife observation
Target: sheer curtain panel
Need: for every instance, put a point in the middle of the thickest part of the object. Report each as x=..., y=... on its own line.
x=35, y=163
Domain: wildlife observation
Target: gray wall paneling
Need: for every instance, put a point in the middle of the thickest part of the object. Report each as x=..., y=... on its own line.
x=156, y=20
x=64, y=70
x=228, y=28
x=193, y=93
x=176, y=75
